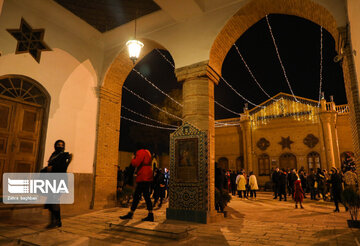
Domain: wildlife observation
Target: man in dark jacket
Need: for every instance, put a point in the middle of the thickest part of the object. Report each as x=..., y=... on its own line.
x=233, y=183
x=311, y=178
x=142, y=162
x=282, y=184
x=275, y=181
x=58, y=163
x=159, y=187
x=336, y=188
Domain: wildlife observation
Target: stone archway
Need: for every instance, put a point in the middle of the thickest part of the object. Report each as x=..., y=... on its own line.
x=108, y=126
x=255, y=10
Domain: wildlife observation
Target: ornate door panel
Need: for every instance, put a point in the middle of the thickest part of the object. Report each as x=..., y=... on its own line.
x=287, y=160
x=7, y=118
x=26, y=138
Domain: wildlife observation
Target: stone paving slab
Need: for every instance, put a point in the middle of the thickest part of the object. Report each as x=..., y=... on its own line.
x=262, y=222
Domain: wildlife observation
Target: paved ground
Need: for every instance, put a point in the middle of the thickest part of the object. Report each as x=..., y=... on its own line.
x=249, y=222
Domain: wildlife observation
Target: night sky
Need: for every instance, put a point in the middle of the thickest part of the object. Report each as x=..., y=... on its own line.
x=298, y=41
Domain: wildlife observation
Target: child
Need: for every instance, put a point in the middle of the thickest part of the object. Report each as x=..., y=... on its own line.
x=298, y=193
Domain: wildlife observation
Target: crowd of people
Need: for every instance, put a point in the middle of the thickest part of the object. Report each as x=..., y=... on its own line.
x=296, y=184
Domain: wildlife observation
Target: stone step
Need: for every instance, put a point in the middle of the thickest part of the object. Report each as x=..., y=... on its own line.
x=156, y=229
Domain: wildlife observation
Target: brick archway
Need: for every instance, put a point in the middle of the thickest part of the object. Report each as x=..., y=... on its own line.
x=108, y=126
x=255, y=10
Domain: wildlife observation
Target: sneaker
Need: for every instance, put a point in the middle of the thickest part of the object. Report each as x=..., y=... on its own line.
x=150, y=217
x=127, y=217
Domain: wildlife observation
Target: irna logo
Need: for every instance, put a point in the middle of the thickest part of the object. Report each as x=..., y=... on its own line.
x=32, y=186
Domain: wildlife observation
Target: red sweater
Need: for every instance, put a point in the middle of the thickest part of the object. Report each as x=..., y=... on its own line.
x=142, y=162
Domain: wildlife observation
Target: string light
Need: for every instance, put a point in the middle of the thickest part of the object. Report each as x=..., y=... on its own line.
x=232, y=88
x=252, y=75
x=146, y=117
x=149, y=125
x=279, y=58
x=157, y=88
x=321, y=62
x=165, y=58
x=144, y=100
x=219, y=104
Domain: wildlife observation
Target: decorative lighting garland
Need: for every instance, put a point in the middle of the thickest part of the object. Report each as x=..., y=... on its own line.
x=214, y=100
x=252, y=75
x=321, y=62
x=149, y=125
x=143, y=99
x=278, y=55
x=146, y=117
x=157, y=88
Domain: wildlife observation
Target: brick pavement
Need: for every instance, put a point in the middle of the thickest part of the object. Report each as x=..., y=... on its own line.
x=249, y=222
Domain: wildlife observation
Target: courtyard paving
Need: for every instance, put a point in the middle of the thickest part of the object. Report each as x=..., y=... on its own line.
x=264, y=221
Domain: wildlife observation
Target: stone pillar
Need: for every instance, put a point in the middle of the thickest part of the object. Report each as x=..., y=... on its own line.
x=198, y=110
x=107, y=142
x=351, y=87
x=245, y=125
x=328, y=120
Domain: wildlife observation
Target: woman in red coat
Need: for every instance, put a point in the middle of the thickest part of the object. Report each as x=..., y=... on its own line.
x=298, y=193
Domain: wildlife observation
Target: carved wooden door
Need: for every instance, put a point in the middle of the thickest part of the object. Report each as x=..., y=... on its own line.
x=19, y=136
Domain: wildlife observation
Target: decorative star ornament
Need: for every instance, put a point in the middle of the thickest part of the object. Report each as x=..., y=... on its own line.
x=29, y=40
x=285, y=142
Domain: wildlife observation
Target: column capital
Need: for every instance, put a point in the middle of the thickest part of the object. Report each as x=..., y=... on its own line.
x=197, y=70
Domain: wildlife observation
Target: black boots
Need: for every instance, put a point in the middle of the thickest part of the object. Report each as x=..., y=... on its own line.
x=127, y=217
x=55, y=220
x=150, y=217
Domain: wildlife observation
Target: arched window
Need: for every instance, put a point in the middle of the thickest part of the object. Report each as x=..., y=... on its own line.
x=313, y=160
x=287, y=160
x=264, y=165
x=223, y=163
x=239, y=163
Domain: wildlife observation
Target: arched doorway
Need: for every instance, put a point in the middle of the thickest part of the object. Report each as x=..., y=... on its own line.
x=313, y=160
x=264, y=165
x=107, y=143
x=287, y=161
x=24, y=106
x=224, y=163
x=255, y=10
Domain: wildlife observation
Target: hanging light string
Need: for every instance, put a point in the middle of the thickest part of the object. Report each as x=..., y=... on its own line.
x=321, y=62
x=214, y=100
x=219, y=104
x=163, y=56
x=145, y=124
x=157, y=88
x=279, y=58
x=146, y=117
x=144, y=100
x=249, y=70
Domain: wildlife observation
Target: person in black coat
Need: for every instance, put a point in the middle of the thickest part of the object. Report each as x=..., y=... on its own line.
x=336, y=188
x=275, y=180
x=282, y=184
x=159, y=187
x=219, y=184
x=233, y=183
x=57, y=163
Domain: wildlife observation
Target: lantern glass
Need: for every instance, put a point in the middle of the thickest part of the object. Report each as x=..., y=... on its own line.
x=134, y=47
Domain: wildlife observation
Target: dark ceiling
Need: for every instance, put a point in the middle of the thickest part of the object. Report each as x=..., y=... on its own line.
x=105, y=15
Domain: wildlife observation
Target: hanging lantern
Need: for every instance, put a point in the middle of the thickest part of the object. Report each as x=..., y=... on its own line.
x=134, y=47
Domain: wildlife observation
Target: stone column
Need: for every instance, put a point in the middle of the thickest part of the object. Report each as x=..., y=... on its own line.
x=198, y=110
x=245, y=125
x=328, y=120
x=107, y=142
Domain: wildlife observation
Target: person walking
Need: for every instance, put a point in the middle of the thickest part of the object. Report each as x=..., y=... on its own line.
x=253, y=185
x=57, y=163
x=336, y=188
x=298, y=193
x=233, y=183
x=142, y=162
